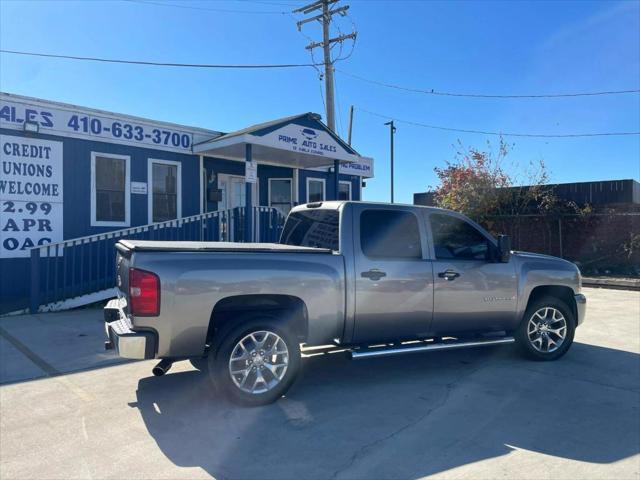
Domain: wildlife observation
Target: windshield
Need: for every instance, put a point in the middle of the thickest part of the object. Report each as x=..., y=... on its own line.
x=312, y=228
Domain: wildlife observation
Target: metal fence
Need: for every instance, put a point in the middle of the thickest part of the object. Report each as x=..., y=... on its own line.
x=600, y=243
x=82, y=270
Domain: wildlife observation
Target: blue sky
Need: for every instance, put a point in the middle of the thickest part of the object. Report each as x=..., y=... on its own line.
x=476, y=47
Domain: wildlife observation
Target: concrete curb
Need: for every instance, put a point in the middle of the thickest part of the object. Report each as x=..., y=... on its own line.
x=615, y=283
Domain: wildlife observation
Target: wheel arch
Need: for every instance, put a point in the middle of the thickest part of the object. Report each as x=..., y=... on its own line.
x=560, y=292
x=288, y=310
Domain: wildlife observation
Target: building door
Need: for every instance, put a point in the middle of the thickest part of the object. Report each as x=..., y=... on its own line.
x=234, y=193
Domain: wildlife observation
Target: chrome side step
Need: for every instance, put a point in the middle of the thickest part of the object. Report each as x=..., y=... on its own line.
x=425, y=347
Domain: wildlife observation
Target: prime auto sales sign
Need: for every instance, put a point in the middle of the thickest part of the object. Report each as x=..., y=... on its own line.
x=298, y=138
x=30, y=194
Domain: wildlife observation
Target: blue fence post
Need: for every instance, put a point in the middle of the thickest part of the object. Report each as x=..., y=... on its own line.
x=34, y=303
x=56, y=273
x=248, y=222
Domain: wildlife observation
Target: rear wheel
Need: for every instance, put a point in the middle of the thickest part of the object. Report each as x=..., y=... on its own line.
x=256, y=362
x=546, y=330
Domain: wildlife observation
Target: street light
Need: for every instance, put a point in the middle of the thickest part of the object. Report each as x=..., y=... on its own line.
x=392, y=130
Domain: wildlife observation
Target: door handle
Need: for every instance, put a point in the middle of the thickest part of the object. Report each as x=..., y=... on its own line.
x=449, y=275
x=373, y=274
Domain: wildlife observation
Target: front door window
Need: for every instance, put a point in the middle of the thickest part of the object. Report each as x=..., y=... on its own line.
x=453, y=238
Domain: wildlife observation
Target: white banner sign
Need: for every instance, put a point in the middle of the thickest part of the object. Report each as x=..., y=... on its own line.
x=251, y=172
x=94, y=127
x=30, y=194
x=362, y=168
x=139, y=188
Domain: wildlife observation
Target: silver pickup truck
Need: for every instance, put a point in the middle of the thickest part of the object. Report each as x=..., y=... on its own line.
x=374, y=279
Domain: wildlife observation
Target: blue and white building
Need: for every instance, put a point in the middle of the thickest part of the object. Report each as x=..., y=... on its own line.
x=73, y=176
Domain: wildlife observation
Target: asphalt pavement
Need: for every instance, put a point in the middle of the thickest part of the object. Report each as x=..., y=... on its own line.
x=68, y=409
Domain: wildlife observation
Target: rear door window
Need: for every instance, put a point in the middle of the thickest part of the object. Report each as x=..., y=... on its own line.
x=390, y=234
x=312, y=228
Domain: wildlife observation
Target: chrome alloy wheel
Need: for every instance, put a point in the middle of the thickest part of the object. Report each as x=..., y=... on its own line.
x=259, y=362
x=547, y=329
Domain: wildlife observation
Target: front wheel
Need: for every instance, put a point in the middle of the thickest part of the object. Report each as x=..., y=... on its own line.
x=256, y=362
x=546, y=330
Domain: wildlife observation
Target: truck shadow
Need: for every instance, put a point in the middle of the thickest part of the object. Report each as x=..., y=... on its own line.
x=404, y=417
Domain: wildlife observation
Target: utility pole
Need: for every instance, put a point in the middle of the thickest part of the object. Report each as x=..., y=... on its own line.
x=325, y=19
x=392, y=130
x=350, y=124
x=328, y=66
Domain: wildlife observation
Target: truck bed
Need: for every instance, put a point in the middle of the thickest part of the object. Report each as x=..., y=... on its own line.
x=177, y=246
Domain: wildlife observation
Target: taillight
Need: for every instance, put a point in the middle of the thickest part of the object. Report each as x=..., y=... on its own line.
x=144, y=293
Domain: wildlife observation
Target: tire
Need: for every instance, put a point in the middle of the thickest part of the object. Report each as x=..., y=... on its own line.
x=260, y=379
x=540, y=333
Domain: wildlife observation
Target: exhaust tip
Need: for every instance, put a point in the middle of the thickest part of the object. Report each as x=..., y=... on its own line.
x=161, y=368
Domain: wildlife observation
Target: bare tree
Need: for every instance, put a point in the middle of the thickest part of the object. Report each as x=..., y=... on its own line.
x=477, y=184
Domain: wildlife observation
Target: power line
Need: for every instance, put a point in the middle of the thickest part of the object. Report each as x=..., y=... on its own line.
x=324, y=104
x=481, y=95
x=280, y=4
x=340, y=58
x=214, y=9
x=162, y=64
x=502, y=134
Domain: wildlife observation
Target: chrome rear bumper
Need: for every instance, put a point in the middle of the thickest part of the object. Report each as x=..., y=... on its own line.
x=127, y=342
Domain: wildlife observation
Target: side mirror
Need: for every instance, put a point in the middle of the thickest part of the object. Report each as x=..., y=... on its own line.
x=504, y=248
